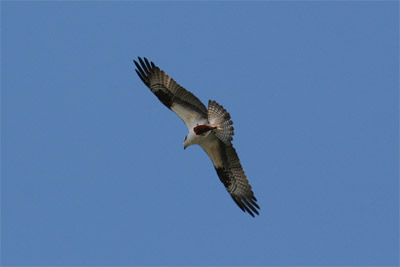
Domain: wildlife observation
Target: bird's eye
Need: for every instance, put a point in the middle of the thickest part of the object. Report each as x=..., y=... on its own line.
x=185, y=138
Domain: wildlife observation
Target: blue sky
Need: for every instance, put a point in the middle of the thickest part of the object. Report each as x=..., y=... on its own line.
x=93, y=167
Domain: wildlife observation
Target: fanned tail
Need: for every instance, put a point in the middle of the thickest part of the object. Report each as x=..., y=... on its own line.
x=219, y=117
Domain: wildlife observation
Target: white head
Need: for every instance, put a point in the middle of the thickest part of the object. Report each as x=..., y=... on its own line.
x=189, y=140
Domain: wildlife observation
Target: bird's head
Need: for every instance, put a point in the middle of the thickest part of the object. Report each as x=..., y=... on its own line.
x=185, y=143
x=189, y=140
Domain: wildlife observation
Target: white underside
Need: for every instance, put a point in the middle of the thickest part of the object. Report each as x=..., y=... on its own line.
x=190, y=118
x=193, y=139
x=211, y=147
x=209, y=142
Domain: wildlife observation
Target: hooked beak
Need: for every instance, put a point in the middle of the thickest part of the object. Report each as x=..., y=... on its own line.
x=184, y=147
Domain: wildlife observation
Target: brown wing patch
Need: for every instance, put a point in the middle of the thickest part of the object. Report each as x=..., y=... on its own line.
x=203, y=128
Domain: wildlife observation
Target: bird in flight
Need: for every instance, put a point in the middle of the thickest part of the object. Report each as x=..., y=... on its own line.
x=210, y=128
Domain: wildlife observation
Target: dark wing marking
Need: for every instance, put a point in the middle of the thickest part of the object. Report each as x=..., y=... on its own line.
x=186, y=105
x=203, y=128
x=231, y=174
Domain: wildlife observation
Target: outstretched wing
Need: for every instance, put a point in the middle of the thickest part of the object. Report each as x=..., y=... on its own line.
x=231, y=174
x=186, y=105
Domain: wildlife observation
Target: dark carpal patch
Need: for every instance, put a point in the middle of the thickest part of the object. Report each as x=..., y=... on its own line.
x=223, y=176
x=169, y=93
x=165, y=98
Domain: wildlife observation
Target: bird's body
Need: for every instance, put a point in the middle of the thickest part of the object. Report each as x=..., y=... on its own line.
x=210, y=128
x=196, y=139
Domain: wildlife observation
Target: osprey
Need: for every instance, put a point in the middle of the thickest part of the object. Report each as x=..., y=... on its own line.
x=210, y=128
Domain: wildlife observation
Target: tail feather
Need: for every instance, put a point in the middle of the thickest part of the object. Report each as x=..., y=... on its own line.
x=219, y=117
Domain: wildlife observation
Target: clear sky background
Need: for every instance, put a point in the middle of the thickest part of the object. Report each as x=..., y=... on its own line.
x=93, y=168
